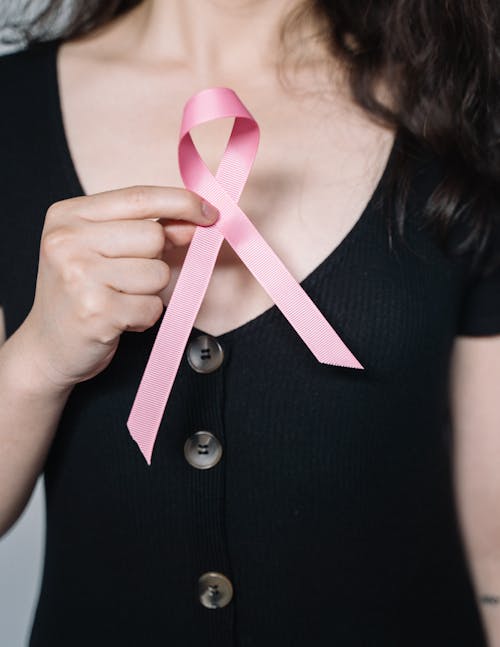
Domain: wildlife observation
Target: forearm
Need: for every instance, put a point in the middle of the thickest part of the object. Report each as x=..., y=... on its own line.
x=485, y=570
x=487, y=578
x=478, y=495
x=30, y=409
x=476, y=425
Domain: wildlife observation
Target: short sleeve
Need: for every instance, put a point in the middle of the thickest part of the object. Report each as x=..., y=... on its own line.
x=480, y=310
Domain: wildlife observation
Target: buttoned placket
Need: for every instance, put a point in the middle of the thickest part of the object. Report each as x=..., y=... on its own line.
x=207, y=358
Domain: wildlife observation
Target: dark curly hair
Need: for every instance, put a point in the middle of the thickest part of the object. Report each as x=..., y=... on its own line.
x=441, y=61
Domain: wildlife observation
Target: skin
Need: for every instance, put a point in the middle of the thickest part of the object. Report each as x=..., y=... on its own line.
x=100, y=271
x=104, y=266
x=475, y=378
x=289, y=198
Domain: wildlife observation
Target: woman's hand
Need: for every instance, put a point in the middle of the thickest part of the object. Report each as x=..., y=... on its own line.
x=100, y=273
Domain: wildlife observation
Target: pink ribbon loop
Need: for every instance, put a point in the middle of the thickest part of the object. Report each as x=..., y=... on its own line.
x=223, y=191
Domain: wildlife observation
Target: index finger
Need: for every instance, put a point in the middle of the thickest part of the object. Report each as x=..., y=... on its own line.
x=140, y=202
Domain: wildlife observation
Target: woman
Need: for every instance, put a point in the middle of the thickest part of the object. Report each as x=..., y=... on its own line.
x=288, y=502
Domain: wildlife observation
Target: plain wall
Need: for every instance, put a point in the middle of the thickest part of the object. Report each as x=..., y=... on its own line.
x=21, y=560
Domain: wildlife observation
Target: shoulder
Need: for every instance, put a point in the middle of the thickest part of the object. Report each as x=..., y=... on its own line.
x=460, y=209
x=20, y=68
x=26, y=82
x=28, y=86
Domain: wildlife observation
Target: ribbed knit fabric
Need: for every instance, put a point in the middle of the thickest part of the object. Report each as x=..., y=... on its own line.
x=331, y=510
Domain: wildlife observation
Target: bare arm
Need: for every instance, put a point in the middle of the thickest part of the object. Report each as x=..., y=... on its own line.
x=101, y=271
x=30, y=409
x=475, y=400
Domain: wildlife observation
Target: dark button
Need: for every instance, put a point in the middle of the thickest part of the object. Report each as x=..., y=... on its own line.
x=204, y=354
x=202, y=450
x=215, y=590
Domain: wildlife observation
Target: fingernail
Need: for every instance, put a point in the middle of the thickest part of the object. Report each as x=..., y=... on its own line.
x=209, y=212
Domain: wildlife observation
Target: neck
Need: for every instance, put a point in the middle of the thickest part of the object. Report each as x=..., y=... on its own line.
x=220, y=38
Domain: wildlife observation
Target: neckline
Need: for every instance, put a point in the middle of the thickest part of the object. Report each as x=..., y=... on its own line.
x=267, y=315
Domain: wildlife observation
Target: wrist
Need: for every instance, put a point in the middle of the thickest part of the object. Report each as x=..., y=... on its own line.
x=27, y=370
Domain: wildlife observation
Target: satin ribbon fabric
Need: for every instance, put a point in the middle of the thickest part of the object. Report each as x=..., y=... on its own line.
x=223, y=191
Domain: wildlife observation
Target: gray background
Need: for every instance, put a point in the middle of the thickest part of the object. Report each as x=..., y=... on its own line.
x=21, y=554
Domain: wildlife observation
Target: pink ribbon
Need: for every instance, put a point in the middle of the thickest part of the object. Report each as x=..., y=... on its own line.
x=223, y=191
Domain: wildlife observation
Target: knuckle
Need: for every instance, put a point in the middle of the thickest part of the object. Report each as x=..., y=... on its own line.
x=55, y=210
x=162, y=273
x=147, y=315
x=137, y=198
x=192, y=203
x=54, y=242
x=106, y=336
x=91, y=305
x=155, y=308
x=156, y=237
x=74, y=272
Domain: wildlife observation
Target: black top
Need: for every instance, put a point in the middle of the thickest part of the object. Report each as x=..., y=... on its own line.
x=331, y=510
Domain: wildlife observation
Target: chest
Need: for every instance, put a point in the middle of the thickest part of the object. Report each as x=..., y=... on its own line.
x=317, y=165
